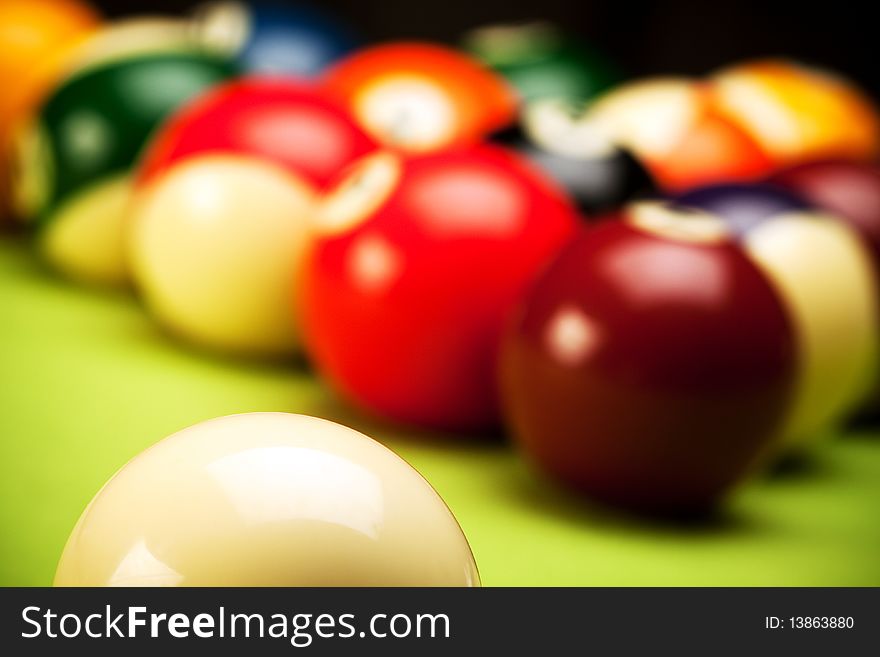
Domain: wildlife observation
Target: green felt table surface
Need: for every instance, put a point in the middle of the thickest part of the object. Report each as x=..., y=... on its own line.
x=87, y=381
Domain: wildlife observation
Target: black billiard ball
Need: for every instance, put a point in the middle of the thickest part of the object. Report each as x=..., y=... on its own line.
x=599, y=175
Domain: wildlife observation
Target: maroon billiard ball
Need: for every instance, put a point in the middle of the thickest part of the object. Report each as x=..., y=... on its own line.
x=418, y=261
x=651, y=364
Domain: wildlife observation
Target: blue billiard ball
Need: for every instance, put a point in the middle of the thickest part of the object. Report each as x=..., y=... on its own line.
x=744, y=206
x=275, y=38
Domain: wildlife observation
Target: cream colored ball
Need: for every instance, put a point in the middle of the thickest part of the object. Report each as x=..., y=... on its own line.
x=267, y=499
x=216, y=245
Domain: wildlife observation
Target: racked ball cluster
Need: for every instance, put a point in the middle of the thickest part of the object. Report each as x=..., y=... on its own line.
x=657, y=286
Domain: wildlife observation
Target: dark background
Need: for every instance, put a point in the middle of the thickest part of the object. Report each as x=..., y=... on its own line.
x=671, y=36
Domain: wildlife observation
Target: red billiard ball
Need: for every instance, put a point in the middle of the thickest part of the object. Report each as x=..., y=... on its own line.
x=417, y=261
x=295, y=125
x=221, y=220
x=420, y=97
x=651, y=364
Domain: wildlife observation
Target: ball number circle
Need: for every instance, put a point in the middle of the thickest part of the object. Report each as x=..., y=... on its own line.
x=267, y=499
x=421, y=97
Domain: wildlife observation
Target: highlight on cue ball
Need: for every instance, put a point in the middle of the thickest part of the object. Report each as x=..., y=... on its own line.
x=267, y=499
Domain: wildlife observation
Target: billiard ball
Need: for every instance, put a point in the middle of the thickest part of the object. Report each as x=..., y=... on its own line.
x=420, y=97
x=267, y=499
x=136, y=36
x=35, y=38
x=273, y=37
x=672, y=126
x=823, y=270
x=651, y=363
x=417, y=261
x=73, y=164
x=220, y=218
x=599, y=175
x=848, y=190
x=797, y=113
x=542, y=62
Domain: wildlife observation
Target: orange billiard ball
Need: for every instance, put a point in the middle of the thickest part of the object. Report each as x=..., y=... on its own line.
x=798, y=113
x=421, y=97
x=673, y=126
x=35, y=36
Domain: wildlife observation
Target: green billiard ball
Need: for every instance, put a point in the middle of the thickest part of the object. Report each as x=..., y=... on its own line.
x=540, y=61
x=74, y=161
